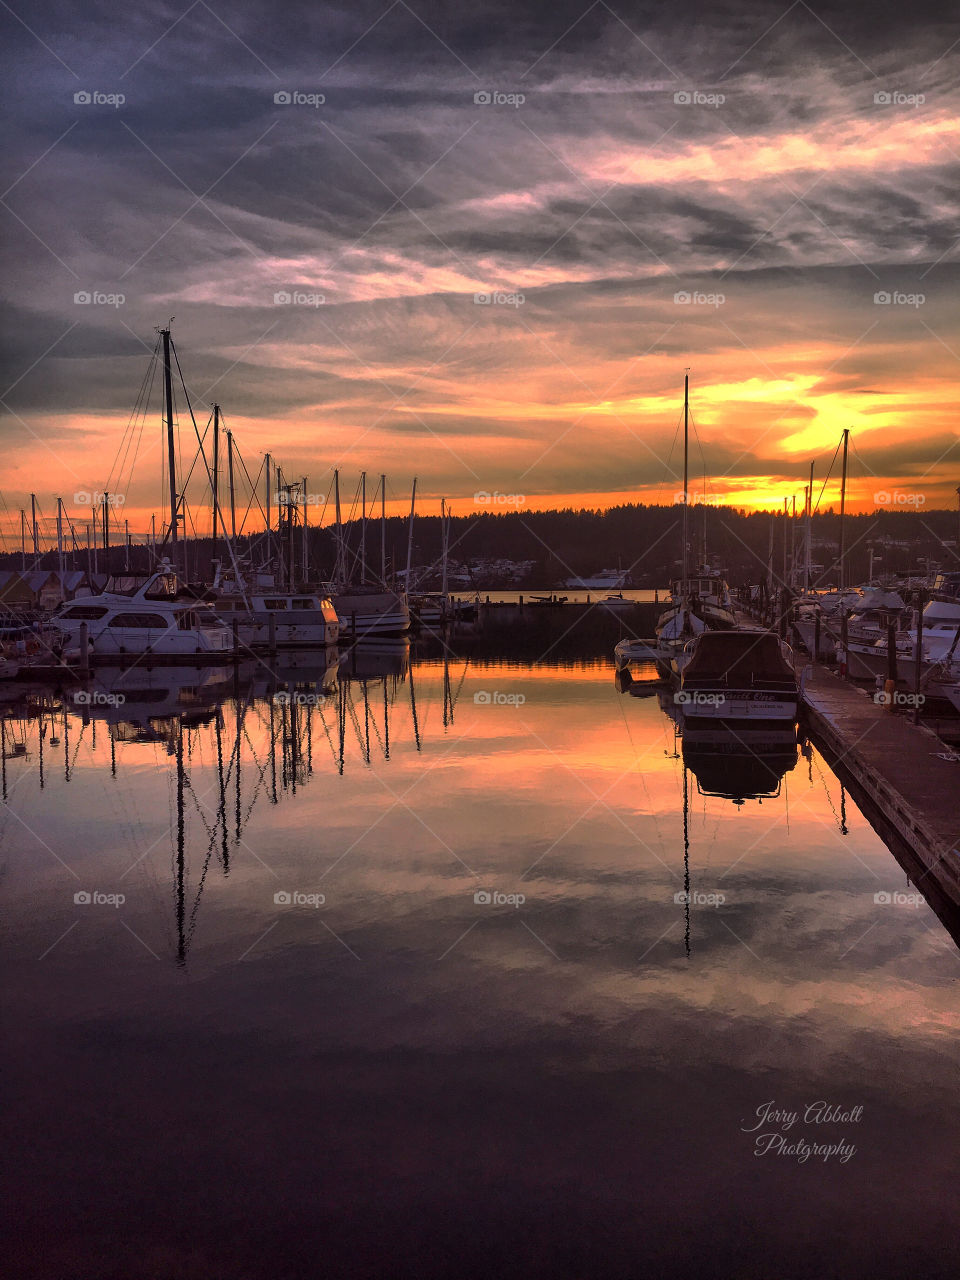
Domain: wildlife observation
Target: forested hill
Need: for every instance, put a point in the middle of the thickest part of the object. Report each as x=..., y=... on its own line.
x=645, y=540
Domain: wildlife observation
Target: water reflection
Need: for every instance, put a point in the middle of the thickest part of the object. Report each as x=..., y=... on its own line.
x=695, y=937
x=739, y=764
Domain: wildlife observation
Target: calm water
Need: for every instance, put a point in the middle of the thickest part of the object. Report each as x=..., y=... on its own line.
x=401, y=985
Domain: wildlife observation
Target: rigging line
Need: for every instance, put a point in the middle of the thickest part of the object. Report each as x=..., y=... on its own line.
x=326, y=730
x=643, y=779
x=195, y=458
x=829, y=473
x=827, y=793
x=254, y=488
x=143, y=422
x=196, y=429
x=140, y=415
x=356, y=727
x=669, y=457
x=131, y=421
x=696, y=436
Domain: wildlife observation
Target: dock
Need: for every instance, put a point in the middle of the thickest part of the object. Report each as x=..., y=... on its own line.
x=902, y=774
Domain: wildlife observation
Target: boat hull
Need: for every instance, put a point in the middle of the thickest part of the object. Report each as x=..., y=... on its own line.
x=377, y=614
x=747, y=705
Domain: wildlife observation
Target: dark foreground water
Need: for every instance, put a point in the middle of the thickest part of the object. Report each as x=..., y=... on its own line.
x=403, y=983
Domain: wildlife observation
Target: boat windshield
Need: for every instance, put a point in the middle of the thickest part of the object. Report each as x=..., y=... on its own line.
x=162, y=585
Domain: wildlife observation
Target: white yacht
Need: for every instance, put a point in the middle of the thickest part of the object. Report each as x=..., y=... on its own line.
x=367, y=612
x=147, y=618
x=605, y=580
x=291, y=619
x=940, y=644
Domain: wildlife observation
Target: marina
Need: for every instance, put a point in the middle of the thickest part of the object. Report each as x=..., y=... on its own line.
x=480, y=642
x=725, y=884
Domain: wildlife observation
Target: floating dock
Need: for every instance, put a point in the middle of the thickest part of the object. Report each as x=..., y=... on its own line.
x=904, y=772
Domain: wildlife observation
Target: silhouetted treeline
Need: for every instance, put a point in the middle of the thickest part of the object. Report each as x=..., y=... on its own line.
x=644, y=540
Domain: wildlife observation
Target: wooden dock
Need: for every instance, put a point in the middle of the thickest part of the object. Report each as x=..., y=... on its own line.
x=904, y=773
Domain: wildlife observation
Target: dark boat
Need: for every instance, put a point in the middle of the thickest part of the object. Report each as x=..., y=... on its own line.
x=737, y=675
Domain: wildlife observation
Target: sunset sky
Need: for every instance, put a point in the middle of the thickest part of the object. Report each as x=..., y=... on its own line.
x=765, y=194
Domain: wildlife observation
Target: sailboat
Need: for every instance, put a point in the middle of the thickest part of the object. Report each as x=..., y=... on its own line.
x=366, y=610
x=698, y=603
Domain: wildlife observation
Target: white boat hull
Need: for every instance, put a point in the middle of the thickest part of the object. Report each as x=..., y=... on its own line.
x=737, y=704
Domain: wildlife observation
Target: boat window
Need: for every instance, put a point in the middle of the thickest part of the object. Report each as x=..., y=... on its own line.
x=186, y=620
x=155, y=620
x=274, y=604
x=85, y=611
x=303, y=604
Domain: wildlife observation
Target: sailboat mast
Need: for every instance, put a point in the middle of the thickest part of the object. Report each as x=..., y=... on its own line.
x=363, y=527
x=338, y=572
x=269, y=462
x=809, y=546
x=413, y=507
x=304, y=542
x=171, y=446
x=686, y=465
x=215, y=478
x=383, y=531
x=843, y=503
x=233, y=504
x=444, y=540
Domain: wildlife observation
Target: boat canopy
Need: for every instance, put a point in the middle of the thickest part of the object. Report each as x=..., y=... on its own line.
x=737, y=657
